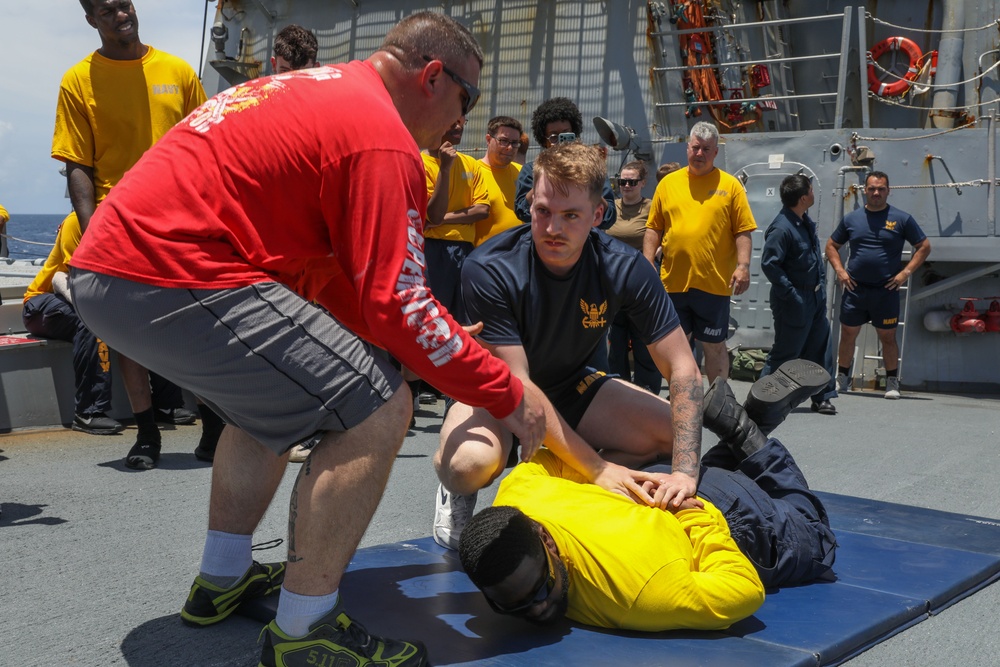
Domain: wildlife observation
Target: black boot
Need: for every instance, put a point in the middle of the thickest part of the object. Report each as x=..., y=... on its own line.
x=211, y=428
x=726, y=418
x=773, y=396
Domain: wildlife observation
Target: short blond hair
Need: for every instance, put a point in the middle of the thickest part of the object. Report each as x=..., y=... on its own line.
x=573, y=163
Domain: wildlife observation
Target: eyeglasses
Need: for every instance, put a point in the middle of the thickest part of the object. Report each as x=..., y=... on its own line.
x=471, y=92
x=629, y=182
x=542, y=591
x=504, y=143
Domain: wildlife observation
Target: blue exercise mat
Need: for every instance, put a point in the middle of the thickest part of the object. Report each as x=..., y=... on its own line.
x=895, y=566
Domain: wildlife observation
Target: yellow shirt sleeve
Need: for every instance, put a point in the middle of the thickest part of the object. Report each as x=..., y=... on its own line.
x=67, y=239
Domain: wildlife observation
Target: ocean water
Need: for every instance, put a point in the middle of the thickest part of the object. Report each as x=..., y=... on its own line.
x=31, y=236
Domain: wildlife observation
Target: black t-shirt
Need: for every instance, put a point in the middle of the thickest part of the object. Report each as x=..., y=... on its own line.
x=561, y=321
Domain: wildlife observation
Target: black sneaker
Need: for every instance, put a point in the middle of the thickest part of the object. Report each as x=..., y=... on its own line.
x=178, y=416
x=145, y=453
x=208, y=604
x=337, y=640
x=97, y=424
x=824, y=407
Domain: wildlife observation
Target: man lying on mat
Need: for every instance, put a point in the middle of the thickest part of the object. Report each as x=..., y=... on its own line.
x=553, y=545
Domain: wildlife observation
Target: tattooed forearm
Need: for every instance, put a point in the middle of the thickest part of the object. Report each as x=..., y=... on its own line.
x=685, y=404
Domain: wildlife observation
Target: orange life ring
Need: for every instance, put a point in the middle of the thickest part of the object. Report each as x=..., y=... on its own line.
x=898, y=86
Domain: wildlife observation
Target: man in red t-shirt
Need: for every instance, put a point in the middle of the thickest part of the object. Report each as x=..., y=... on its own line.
x=225, y=251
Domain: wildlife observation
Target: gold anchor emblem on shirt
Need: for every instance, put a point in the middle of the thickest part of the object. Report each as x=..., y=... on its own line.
x=592, y=314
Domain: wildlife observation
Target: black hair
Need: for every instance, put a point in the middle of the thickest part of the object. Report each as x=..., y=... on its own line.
x=794, y=188
x=554, y=110
x=296, y=45
x=877, y=174
x=497, y=122
x=494, y=543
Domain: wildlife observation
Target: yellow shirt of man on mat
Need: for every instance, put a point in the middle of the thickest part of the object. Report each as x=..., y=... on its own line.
x=639, y=567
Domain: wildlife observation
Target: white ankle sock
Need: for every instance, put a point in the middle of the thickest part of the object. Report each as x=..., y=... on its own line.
x=226, y=558
x=296, y=613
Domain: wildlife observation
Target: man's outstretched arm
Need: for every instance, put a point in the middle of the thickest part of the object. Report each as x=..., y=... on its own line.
x=673, y=357
x=567, y=444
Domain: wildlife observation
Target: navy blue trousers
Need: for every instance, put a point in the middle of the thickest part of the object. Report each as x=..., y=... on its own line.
x=776, y=521
x=801, y=331
x=51, y=316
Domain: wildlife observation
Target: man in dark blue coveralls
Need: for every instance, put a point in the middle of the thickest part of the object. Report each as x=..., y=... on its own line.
x=793, y=261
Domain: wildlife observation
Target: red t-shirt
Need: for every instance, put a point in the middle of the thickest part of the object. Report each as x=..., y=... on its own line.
x=310, y=179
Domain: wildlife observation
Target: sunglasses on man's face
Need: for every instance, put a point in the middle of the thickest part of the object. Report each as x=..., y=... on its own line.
x=472, y=93
x=630, y=182
x=541, y=592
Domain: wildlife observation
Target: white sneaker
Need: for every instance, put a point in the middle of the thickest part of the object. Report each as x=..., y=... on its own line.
x=892, y=388
x=450, y=516
x=843, y=382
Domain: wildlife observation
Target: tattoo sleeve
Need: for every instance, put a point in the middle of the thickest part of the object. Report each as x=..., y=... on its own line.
x=293, y=510
x=686, y=404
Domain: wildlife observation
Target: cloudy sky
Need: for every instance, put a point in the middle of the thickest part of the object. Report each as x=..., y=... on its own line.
x=42, y=39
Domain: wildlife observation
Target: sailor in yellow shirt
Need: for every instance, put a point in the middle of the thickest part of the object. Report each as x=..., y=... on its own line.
x=457, y=199
x=4, y=217
x=112, y=106
x=553, y=545
x=503, y=139
x=701, y=219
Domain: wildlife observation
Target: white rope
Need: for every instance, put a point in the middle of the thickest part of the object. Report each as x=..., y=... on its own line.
x=921, y=137
x=986, y=71
x=891, y=102
x=992, y=24
x=965, y=184
x=14, y=238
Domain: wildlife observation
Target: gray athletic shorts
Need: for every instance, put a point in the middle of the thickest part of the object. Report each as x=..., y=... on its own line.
x=268, y=361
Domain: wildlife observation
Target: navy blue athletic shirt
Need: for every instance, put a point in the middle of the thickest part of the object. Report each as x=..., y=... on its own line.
x=876, y=240
x=561, y=321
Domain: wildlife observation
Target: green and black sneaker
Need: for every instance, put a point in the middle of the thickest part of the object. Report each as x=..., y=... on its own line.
x=337, y=640
x=208, y=604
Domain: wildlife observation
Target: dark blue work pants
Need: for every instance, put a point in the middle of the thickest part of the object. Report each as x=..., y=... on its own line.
x=801, y=331
x=51, y=316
